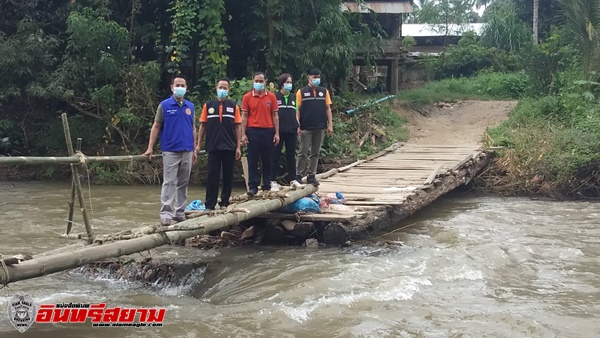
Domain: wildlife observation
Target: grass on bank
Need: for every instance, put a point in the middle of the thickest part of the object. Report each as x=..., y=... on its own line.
x=485, y=86
x=551, y=148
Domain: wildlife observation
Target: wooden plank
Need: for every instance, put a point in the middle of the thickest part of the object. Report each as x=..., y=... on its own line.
x=433, y=175
x=400, y=197
x=311, y=217
x=449, y=146
x=437, y=151
x=390, y=177
x=428, y=157
x=463, y=161
x=374, y=186
x=363, y=139
x=399, y=202
x=415, y=162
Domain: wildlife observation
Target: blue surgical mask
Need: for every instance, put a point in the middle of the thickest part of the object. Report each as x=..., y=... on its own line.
x=222, y=93
x=288, y=86
x=259, y=86
x=179, y=91
x=315, y=82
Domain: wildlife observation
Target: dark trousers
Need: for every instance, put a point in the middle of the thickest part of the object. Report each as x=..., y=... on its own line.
x=260, y=146
x=217, y=160
x=289, y=139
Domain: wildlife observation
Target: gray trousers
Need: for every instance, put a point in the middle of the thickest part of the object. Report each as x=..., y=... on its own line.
x=177, y=168
x=309, y=140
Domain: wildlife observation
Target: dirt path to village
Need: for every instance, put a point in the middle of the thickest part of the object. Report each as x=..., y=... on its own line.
x=455, y=123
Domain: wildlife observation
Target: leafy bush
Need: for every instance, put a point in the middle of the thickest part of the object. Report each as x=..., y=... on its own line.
x=552, y=141
x=544, y=63
x=349, y=129
x=467, y=58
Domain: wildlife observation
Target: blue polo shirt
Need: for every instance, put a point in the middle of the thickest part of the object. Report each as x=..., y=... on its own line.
x=177, y=129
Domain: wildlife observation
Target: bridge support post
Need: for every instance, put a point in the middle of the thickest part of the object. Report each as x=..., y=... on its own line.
x=392, y=74
x=72, y=200
x=76, y=183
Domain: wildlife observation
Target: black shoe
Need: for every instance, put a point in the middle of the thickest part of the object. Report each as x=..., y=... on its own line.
x=252, y=192
x=223, y=204
x=311, y=179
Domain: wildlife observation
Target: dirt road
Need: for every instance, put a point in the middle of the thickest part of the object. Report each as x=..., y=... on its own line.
x=455, y=123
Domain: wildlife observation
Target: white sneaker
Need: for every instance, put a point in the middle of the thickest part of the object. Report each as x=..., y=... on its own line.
x=297, y=184
x=275, y=186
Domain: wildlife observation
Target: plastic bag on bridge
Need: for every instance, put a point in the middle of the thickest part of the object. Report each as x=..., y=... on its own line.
x=196, y=205
x=327, y=200
x=305, y=204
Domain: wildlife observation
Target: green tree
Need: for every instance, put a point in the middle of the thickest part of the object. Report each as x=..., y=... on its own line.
x=583, y=27
x=503, y=28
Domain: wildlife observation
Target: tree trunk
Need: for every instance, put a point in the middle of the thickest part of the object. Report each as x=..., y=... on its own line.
x=536, y=8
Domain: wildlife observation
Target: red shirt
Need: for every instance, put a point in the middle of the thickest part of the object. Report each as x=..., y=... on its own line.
x=260, y=108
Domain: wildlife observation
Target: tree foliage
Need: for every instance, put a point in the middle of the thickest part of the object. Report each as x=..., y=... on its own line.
x=111, y=61
x=504, y=30
x=583, y=25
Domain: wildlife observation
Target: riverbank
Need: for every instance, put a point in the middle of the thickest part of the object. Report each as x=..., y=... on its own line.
x=546, y=147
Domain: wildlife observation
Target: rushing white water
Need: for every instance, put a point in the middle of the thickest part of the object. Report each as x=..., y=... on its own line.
x=470, y=267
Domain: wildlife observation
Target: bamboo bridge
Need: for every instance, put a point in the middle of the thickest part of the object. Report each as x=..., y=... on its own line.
x=379, y=190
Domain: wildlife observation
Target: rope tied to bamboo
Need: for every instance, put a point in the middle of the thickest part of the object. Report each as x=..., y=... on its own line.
x=163, y=233
x=83, y=161
x=6, y=276
x=82, y=158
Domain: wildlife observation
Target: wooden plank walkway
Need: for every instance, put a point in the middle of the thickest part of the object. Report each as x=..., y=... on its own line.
x=394, y=184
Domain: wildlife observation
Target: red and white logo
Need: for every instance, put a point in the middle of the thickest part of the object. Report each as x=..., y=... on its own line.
x=98, y=314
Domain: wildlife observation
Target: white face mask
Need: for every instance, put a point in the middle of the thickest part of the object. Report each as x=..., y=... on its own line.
x=179, y=91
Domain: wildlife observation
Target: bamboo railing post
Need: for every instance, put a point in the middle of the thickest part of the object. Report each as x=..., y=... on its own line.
x=76, y=181
x=72, y=200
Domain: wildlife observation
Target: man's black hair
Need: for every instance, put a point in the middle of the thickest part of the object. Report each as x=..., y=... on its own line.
x=179, y=76
x=313, y=71
x=224, y=78
x=259, y=73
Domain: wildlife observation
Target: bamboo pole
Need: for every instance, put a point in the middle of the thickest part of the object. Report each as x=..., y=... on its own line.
x=74, y=159
x=48, y=264
x=75, y=170
x=72, y=200
x=245, y=171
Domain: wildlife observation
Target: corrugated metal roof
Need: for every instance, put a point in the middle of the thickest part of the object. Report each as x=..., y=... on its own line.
x=422, y=30
x=379, y=7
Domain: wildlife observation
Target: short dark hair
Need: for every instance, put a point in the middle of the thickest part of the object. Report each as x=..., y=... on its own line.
x=282, y=78
x=313, y=71
x=259, y=73
x=224, y=78
x=178, y=76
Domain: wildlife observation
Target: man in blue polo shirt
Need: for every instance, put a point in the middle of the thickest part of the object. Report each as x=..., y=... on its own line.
x=174, y=121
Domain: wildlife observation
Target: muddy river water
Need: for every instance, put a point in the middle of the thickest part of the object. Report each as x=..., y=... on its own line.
x=470, y=266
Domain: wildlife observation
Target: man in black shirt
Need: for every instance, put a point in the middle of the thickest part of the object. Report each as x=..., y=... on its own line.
x=314, y=115
x=221, y=123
